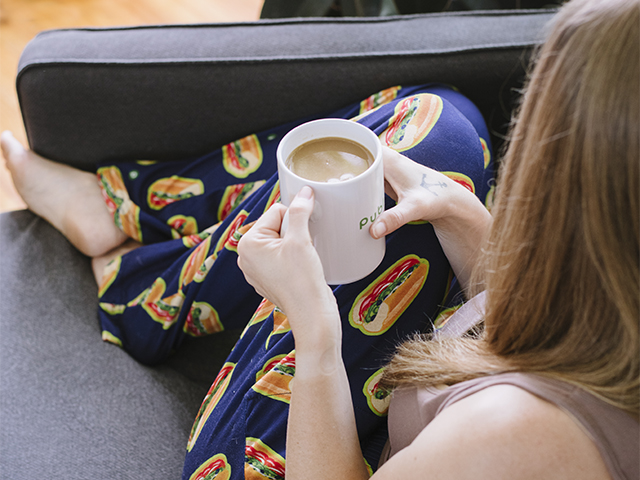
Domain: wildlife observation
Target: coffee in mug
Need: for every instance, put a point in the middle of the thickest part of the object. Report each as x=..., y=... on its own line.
x=330, y=160
x=347, y=179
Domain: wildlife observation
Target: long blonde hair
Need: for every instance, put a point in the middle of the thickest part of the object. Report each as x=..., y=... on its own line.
x=561, y=264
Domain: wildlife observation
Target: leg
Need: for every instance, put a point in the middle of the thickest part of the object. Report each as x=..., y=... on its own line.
x=189, y=215
x=156, y=295
x=98, y=263
x=68, y=198
x=249, y=399
x=154, y=201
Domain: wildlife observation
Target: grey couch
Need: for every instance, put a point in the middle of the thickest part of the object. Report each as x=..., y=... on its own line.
x=72, y=406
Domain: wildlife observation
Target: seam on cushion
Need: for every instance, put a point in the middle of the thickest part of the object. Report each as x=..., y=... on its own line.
x=315, y=20
x=254, y=60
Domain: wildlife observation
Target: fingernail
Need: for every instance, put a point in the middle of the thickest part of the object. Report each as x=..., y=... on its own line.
x=305, y=192
x=378, y=229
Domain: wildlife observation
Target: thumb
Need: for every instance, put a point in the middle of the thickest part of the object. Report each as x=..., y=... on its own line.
x=391, y=220
x=300, y=211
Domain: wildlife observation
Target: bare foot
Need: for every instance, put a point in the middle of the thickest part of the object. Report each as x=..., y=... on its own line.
x=66, y=197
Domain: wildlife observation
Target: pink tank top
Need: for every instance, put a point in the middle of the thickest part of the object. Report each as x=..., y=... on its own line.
x=615, y=433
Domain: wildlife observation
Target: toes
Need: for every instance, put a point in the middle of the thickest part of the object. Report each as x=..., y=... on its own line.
x=12, y=149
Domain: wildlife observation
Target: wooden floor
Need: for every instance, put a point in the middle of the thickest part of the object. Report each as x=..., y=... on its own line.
x=21, y=20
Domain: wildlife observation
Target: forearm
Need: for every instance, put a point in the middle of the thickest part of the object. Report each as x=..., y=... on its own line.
x=322, y=440
x=461, y=234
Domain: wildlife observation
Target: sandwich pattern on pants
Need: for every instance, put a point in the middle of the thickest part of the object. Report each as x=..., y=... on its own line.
x=184, y=282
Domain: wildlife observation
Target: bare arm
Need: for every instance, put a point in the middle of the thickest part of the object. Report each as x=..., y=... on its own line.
x=321, y=433
x=322, y=440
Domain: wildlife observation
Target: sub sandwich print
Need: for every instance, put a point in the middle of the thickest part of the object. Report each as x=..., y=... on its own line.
x=234, y=195
x=378, y=307
x=264, y=310
x=261, y=462
x=210, y=401
x=274, y=196
x=377, y=398
x=231, y=236
x=182, y=226
x=172, y=189
x=378, y=99
x=216, y=468
x=126, y=214
x=242, y=157
x=109, y=275
x=195, y=267
x=202, y=319
x=162, y=310
x=462, y=179
x=275, y=379
x=413, y=119
x=261, y=314
x=486, y=153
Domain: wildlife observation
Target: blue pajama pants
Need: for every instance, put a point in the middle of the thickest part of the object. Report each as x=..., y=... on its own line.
x=185, y=281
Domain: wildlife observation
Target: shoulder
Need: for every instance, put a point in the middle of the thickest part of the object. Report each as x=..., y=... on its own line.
x=503, y=432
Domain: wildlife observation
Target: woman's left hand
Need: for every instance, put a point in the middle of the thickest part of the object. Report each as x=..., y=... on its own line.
x=458, y=217
x=287, y=271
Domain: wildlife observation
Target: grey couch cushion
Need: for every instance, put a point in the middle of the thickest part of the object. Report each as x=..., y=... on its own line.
x=175, y=91
x=72, y=406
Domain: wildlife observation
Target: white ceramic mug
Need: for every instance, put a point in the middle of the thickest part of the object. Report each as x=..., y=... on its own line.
x=343, y=211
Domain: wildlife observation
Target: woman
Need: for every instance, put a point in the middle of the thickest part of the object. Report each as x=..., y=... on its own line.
x=169, y=238
x=560, y=271
x=557, y=263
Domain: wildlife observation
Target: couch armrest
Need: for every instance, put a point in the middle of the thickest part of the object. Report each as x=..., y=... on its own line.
x=166, y=92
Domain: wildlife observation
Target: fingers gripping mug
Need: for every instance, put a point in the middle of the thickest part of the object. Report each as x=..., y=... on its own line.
x=341, y=161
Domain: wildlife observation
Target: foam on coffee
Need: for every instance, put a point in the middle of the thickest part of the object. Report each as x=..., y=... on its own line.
x=330, y=159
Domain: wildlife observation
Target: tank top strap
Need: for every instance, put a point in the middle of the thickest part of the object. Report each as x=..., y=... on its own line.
x=464, y=319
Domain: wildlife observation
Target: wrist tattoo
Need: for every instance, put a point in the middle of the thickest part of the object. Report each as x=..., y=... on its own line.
x=428, y=186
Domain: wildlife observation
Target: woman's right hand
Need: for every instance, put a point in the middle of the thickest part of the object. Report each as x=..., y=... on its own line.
x=287, y=271
x=423, y=194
